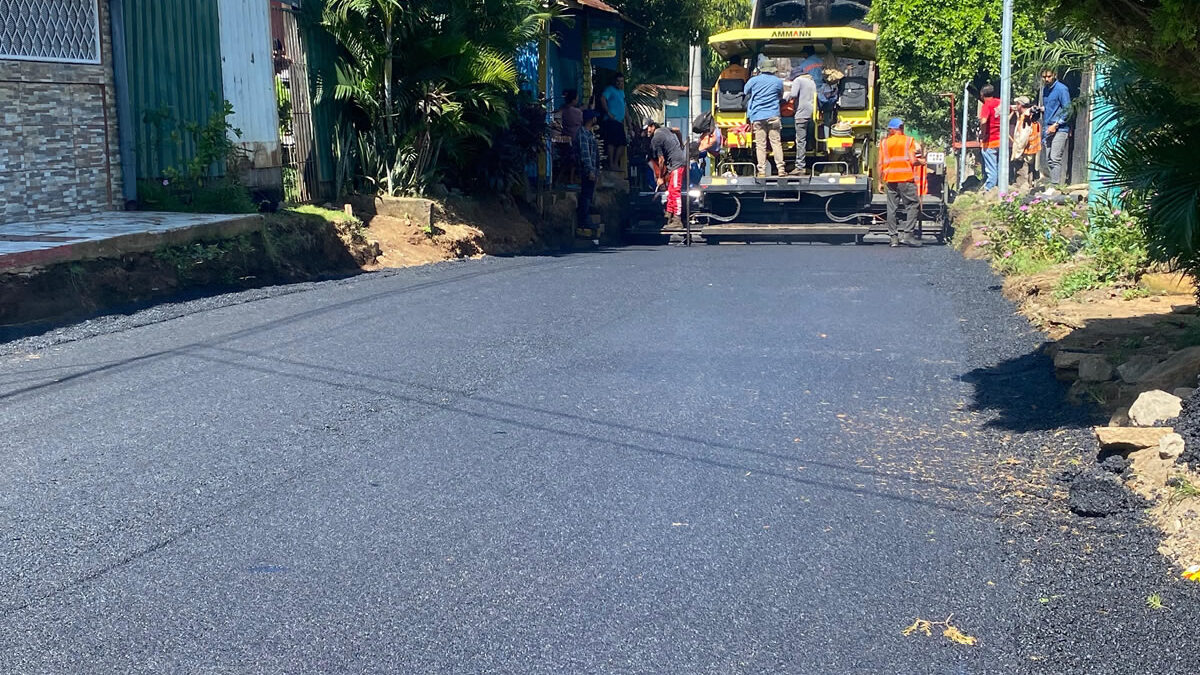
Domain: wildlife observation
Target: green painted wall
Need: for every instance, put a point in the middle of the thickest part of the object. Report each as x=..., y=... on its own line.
x=174, y=69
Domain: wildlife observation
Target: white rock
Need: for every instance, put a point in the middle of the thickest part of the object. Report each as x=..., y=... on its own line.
x=1154, y=406
x=1170, y=446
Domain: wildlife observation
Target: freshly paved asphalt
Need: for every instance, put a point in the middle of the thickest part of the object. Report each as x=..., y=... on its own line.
x=712, y=460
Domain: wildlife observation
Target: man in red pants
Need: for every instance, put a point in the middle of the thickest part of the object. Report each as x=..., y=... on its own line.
x=668, y=161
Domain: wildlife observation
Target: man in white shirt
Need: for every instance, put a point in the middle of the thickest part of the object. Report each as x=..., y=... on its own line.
x=804, y=92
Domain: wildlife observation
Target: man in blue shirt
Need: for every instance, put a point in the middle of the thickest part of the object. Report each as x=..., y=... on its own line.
x=612, y=104
x=1056, y=100
x=764, y=92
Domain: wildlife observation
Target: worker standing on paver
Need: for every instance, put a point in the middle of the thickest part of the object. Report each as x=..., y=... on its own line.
x=735, y=70
x=764, y=94
x=898, y=162
x=804, y=93
x=667, y=161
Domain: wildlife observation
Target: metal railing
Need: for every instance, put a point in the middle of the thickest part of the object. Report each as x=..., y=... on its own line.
x=65, y=31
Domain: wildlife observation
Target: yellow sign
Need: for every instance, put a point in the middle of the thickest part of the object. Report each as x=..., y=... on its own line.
x=603, y=43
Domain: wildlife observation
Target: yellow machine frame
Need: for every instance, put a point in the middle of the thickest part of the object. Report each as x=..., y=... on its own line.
x=840, y=41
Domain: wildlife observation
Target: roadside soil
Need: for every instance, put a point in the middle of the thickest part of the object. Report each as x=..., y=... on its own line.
x=1150, y=340
x=427, y=231
x=288, y=248
x=307, y=243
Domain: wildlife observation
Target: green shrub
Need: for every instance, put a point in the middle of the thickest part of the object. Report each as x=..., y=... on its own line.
x=207, y=181
x=1116, y=241
x=1038, y=232
x=1080, y=279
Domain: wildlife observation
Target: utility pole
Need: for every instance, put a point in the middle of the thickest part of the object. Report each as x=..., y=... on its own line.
x=695, y=87
x=1005, y=93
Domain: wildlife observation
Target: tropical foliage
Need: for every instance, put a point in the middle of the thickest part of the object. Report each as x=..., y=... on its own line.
x=930, y=47
x=1153, y=97
x=425, y=88
x=660, y=54
x=722, y=15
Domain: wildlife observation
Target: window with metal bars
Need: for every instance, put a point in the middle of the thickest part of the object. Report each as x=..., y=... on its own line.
x=65, y=31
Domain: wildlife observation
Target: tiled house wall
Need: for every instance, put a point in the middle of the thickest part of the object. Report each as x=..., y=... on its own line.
x=59, y=151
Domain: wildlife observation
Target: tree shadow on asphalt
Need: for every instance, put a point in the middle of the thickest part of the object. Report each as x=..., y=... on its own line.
x=1023, y=393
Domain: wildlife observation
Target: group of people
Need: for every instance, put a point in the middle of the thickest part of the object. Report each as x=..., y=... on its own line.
x=667, y=159
x=768, y=97
x=1032, y=129
x=605, y=116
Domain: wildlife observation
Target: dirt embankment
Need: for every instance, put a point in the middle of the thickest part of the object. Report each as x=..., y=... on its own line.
x=301, y=244
x=289, y=247
x=421, y=231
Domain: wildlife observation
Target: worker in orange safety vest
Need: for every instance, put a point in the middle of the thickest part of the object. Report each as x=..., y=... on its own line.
x=899, y=159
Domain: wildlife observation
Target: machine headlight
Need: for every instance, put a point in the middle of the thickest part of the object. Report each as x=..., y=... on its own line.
x=694, y=193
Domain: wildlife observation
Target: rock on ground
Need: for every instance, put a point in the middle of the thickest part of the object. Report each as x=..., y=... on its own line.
x=1095, y=368
x=1178, y=370
x=1136, y=367
x=1170, y=446
x=1152, y=407
x=1066, y=360
x=1122, y=439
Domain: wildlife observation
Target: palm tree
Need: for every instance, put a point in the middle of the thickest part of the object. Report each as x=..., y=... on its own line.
x=351, y=21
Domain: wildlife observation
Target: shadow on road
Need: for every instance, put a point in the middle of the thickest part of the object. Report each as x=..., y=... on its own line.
x=1025, y=394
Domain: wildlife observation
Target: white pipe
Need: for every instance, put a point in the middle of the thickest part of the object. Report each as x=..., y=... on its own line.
x=962, y=158
x=1005, y=93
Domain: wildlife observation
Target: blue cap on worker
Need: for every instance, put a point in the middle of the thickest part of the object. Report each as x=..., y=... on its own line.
x=895, y=123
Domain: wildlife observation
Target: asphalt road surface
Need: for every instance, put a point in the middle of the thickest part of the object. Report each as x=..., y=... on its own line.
x=734, y=459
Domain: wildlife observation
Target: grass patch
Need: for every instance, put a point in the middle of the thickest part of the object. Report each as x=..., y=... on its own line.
x=1189, y=337
x=1096, y=394
x=1135, y=293
x=1076, y=281
x=1182, y=490
x=1023, y=263
x=331, y=215
x=1154, y=601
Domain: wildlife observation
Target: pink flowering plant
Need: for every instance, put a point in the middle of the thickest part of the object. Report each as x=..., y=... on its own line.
x=1037, y=232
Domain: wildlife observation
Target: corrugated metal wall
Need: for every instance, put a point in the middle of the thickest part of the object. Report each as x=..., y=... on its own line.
x=174, y=55
x=321, y=55
x=249, y=84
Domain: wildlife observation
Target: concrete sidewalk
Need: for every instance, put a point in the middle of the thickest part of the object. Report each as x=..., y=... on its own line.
x=34, y=244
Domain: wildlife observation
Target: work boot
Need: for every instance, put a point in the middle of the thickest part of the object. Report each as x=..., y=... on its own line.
x=895, y=240
x=797, y=170
x=911, y=240
x=674, y=222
